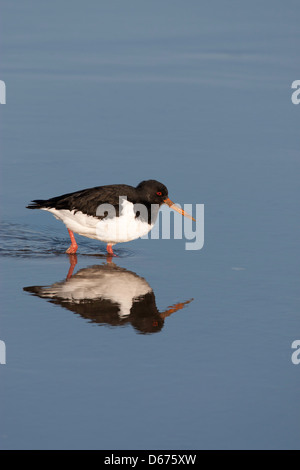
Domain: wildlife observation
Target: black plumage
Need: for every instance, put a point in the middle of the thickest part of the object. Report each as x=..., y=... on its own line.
x=88, y=200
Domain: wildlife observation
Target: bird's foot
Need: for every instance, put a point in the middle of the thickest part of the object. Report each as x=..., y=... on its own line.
x=72, y=249
x=110, y=250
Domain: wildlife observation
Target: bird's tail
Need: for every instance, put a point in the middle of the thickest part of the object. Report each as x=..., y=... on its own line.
x=36, y=204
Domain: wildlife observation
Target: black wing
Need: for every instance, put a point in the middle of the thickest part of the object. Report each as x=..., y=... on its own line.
x=87, y=200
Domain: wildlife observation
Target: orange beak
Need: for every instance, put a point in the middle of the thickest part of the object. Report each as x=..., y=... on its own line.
x=177, y=209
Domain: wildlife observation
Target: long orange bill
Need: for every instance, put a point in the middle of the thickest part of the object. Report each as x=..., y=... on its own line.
x=177, y=209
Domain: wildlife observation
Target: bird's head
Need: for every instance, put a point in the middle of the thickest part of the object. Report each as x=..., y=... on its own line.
x=154, y=192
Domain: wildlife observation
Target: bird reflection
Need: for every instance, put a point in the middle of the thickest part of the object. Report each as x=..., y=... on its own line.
x=108, y=294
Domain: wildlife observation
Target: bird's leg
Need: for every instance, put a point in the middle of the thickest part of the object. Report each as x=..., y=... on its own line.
x=73, y=262
x=73, y=247
x=110, y=250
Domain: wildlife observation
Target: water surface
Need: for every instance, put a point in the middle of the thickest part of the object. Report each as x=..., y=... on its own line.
x=197, y=96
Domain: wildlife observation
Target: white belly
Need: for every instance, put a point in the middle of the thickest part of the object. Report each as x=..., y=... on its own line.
x=124, y=228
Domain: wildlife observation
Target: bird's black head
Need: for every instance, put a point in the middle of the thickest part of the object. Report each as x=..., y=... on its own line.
x=153, y=192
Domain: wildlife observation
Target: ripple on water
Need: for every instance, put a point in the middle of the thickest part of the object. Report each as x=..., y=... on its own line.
x=17, y=240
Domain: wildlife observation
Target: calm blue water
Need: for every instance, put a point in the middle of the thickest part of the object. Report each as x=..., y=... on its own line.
x=196, y=95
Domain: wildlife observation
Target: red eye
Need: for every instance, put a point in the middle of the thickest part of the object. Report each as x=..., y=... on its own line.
x=159, y=193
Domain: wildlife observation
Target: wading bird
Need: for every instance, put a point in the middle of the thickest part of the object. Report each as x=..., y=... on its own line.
x=113, y=214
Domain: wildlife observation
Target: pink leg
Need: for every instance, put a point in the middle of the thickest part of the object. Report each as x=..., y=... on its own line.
x=73, y=247
x=110, y=250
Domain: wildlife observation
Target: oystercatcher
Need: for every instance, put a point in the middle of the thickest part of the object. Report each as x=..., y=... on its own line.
x=113, y=214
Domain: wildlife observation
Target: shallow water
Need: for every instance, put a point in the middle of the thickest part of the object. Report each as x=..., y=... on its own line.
x=182, y=349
